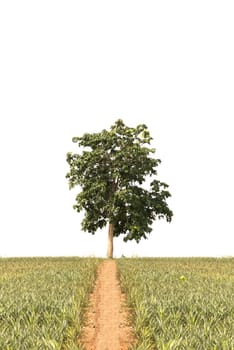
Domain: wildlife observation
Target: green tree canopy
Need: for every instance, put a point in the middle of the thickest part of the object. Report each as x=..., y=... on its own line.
x=111, y=170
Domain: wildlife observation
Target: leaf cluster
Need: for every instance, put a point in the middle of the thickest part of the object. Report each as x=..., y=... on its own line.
x=111, y=170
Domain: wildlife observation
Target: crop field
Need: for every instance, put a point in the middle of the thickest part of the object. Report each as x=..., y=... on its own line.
x=42, y=301
x=176, y=303
x=180, y=304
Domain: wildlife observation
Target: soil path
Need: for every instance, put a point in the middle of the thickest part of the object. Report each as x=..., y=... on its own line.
x=106, y=319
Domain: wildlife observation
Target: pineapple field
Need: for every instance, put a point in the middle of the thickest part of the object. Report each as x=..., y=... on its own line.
x=174, y=303
x=181, y=303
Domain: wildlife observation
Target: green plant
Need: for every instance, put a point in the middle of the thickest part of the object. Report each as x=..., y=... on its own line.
x=42, y=302
x=180, y=304
x=110, y=169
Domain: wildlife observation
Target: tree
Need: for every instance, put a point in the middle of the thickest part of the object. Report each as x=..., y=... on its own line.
x=111, y=170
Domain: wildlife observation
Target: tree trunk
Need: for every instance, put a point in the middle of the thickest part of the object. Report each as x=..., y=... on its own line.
x=110, y=241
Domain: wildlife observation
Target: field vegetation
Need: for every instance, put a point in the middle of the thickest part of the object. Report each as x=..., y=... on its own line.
x=177, y=304
x=42, y=302
x=180, y=304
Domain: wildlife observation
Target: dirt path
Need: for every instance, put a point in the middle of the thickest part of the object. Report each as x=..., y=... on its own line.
x=106, y=319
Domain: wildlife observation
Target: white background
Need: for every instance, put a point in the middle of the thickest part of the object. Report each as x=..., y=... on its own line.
x=69, y=67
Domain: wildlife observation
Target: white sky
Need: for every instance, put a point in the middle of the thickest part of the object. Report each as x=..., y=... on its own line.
x=69, y=67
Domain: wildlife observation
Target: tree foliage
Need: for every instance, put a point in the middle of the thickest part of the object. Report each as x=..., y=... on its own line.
x=111, y=170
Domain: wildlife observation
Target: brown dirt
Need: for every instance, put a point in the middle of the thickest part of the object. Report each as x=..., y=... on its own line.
x=107, y=318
